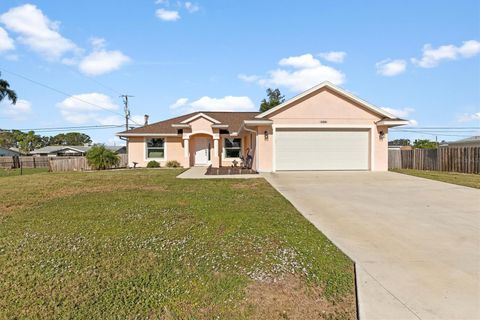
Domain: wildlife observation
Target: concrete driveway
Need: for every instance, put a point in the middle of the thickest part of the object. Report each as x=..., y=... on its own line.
x=416, y=242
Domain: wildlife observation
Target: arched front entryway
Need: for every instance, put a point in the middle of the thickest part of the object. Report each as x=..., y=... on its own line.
x=201, y=150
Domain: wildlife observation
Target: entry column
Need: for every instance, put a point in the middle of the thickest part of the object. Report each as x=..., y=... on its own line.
x=186, y=153
x=215, y=158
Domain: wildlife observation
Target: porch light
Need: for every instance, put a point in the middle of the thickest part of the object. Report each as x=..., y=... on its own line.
x=381, y=135
x=265, y=134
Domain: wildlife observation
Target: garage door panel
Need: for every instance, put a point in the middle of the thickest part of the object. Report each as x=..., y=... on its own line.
x=322, y=150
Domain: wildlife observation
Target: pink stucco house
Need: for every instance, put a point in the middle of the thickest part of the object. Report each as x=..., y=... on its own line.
x=323, y=128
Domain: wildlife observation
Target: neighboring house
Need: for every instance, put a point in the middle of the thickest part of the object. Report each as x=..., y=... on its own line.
x=118, y=149
x=467, y=142
x=323, y=128
x=61, y=151
x=4, y=152
x=400, y=148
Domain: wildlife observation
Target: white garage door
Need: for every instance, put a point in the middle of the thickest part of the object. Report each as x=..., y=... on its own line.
x=303, y=149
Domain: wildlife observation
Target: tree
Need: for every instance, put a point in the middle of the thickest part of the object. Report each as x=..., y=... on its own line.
x=400, y=142
x=70, y=139
x=29, y=141
x=101, y=158
x=275, y=98
x=425, y=144
x=5, y=91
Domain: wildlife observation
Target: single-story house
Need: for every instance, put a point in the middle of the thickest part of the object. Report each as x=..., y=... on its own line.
x=467, y=142
x=61, y=151
x=323, y=128
x=4, y=152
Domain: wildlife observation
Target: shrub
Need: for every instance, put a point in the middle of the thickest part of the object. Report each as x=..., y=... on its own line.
x=153, y=164
x=173, y=164
x=101, y=158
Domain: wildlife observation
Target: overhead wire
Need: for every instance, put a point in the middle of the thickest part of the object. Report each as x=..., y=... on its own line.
x=66, y=94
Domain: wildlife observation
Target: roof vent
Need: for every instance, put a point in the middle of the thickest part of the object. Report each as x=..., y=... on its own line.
x=146, y=119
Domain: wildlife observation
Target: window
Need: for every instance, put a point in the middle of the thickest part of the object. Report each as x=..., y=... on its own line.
x=232, y=147
x=155, y=148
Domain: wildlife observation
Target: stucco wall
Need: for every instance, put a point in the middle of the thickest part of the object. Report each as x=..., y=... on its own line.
x=136, y=151
x=381, y=150
x=264, y=149
x=325, y=109
x=324, y=106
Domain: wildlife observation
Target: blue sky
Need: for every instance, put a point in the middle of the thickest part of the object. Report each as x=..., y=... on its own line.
x=420, y=59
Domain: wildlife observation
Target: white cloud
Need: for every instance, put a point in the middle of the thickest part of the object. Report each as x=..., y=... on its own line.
x=303, y=61
x=413, y=123
x=431, y=57
x=167, y=15
x=37, y=31
x=299, y=73
x=98, y=43
x=191, y=7
x=102, y=61
x=6, y=43
x=334, y=56
x=83, y=108
x=179, y=103
x=248, y=78
x=401, y=113
x=390, y=68
x=227, y=103
x=469, y=117
x=19, y=111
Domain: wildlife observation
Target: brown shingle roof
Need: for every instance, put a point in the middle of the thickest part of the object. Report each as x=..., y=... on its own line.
x=233, y=119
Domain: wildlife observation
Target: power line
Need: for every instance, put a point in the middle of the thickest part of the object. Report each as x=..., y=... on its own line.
x=92, y=79
x=434, y=133
x=73, y=127
x=443, y=128
x=64, y=93
x=64, y=129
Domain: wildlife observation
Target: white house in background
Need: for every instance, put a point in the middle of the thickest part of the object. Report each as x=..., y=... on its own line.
x=71, y=151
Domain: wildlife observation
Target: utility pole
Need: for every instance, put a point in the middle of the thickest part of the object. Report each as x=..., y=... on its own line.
x=125, y=109
x=127, y=114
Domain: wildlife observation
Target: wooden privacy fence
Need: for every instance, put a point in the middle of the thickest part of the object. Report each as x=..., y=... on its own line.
x=24, y=161
x=461, y=159
x=58, y=164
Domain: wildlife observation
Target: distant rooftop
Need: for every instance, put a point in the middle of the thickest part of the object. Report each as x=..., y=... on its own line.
x=83, y=149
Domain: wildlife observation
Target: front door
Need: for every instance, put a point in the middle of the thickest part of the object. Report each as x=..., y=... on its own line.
x=202, y=150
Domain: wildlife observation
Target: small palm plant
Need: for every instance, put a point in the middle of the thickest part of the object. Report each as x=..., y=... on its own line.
x=101, y=158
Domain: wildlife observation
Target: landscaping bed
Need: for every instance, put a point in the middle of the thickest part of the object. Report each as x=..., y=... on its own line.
x=229, y=170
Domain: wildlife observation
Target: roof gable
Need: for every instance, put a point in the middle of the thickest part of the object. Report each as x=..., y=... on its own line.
x=234, y=121
x=344, y=94
x=201, y=115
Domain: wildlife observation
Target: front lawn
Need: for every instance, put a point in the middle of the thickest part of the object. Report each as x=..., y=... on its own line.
x=463, y=179
x=143, y=244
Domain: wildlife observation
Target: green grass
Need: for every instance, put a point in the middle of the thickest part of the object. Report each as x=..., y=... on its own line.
x=143, y=244
x=16, y=172
x=463, y=179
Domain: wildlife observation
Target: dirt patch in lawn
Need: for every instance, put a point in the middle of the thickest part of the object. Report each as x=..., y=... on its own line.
x=246, y=185
x=289, y=298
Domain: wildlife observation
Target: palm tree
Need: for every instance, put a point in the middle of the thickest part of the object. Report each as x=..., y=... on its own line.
x=5, y=91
